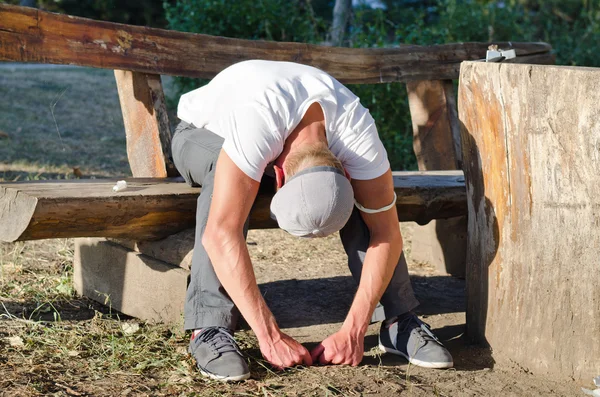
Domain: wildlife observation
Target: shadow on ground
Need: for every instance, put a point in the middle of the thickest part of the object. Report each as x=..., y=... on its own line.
x=76, y=309
x=301, y=303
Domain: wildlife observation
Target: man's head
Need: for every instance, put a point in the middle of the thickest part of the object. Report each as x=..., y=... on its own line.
x=315, y=198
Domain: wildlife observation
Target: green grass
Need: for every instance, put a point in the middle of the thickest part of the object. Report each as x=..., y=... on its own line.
x=54, y=120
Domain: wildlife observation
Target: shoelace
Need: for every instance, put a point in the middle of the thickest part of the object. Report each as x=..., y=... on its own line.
x=219, y=339
x=423, y=329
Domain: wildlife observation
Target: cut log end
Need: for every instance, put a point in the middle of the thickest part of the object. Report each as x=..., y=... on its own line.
x=16, y=212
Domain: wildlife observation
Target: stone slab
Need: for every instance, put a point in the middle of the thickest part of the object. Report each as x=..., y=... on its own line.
x=130, y=282
x=176, y=249
x=442, y=243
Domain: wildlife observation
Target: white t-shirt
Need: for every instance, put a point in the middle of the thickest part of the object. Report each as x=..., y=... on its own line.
x=255, y=105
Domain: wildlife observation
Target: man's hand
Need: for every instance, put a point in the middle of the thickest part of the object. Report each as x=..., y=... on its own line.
x=283, y=352
x=343, y=347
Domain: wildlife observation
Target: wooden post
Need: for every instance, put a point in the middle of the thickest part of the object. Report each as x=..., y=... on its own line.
x=435, y=124
x=437, y=147
x=146, y=124
x=531, y=149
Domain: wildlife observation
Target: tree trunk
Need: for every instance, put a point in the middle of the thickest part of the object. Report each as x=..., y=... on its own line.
x=341, y=16
x=531, y=141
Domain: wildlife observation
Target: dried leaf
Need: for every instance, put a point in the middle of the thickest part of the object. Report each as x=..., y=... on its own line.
x=180, y=379
x=69, y=391
x=4, y=135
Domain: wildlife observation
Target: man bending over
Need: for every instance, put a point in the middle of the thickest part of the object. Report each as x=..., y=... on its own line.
x=332, y=174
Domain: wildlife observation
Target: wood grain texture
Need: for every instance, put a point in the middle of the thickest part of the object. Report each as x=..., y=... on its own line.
x=531, y=146
x=30, y=35
x=155, y=208
x=436, y=136
x=436, y=141
x=146, y=124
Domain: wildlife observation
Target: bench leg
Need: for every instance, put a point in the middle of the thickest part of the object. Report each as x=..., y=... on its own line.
x=130, y=282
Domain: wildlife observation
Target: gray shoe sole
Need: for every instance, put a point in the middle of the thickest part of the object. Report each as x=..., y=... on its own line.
x=414, y=361
x=223, y=378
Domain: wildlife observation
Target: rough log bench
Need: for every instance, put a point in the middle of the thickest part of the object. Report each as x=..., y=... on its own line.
x=136, y=243
x=531, y=149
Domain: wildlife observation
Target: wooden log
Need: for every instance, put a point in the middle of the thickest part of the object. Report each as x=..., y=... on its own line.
x=531, y=149
x=443, y=242
x=155, y=208
x=31, y=35
x=146, y=124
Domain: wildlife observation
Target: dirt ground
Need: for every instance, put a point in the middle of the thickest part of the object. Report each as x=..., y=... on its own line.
x=55, y=343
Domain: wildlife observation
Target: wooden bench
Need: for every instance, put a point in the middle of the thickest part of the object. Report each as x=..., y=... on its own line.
x=156, y=208
x=152, y=208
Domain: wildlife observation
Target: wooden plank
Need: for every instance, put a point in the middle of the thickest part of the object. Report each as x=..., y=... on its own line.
x=31, y=35
x=146, y=124
x=155, y=208
x=531, y=144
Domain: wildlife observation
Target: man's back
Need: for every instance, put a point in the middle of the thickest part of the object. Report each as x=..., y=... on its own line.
x=255, y=105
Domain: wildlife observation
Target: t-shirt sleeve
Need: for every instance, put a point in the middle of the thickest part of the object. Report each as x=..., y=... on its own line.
x=362, y=152
x=250, y=141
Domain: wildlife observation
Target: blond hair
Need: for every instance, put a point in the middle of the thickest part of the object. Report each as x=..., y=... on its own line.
x=310, y=156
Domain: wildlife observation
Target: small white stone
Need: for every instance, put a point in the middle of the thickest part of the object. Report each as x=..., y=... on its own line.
x=121, y=185
x=130, y=328
x=15, y=341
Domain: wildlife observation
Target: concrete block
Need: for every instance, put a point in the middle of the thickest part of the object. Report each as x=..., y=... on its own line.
x=175, y=250
x=130, y=282
x=443, y=244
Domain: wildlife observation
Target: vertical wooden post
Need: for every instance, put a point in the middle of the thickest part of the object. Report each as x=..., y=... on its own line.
x=435, y=124
x=436, y=144
x=146, y=124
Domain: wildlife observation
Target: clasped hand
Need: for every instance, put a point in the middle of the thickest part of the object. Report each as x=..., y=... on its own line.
x=341, y=348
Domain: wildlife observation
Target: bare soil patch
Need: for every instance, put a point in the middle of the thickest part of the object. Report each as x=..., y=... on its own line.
x=55, y=343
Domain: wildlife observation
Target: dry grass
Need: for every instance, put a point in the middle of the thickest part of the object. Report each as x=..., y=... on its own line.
x=54, y=342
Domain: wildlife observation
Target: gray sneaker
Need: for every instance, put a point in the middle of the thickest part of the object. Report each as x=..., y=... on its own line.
x=218, y=356
x=412, y=338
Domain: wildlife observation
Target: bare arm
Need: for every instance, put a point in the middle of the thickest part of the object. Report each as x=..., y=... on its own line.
x=233, y=196
x=385, y=247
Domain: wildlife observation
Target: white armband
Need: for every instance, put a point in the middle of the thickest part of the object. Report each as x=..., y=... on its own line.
x=382, y=209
